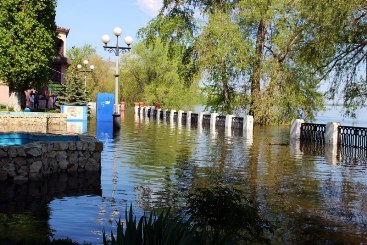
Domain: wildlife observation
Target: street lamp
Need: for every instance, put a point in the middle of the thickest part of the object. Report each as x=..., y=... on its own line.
x=116, y=50
x=91, y=67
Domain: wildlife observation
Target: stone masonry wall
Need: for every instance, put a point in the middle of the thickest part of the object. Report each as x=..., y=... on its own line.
x=34, y=160
x=33, y=122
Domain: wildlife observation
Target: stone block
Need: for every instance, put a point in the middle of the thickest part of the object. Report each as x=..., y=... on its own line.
x=34, y=152
x=35, y=167
x=12, y=152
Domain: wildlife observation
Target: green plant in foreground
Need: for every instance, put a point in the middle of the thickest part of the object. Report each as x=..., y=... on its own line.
x=163, y=229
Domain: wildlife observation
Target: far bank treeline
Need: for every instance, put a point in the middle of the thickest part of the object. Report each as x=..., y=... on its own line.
x=278, y=59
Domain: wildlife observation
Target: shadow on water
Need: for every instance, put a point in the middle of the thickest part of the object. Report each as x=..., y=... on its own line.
x=24, y=211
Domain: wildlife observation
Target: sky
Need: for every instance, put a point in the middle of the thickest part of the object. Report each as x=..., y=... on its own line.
x=89, y=20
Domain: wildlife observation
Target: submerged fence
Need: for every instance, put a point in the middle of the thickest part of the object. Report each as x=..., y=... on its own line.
x=188, y=118
x=330, y=133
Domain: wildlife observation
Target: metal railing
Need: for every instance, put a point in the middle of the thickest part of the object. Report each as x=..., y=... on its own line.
x=237, y=122
x=313, y=132
x=194, y=118
x=206, y=119
x=220, y=121
x=352, y=136
x=184, y=118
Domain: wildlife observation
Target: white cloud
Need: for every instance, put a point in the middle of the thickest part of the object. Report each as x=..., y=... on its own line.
x=150, y=7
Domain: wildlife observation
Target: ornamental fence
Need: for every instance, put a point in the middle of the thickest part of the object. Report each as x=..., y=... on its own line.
x=313, y=132
x=334, y=133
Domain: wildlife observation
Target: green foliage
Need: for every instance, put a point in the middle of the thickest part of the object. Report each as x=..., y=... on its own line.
x=269, y=56
x=340, y=42
x=101, y=80
x=150, y=75
x=221, y=51
x=151, y=230
x=5, y=108
x=219, y=215
x=27, y=42
x=74, y=93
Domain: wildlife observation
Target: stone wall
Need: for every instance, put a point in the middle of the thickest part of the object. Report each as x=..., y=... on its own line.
x=34, y=160
x=32, y=122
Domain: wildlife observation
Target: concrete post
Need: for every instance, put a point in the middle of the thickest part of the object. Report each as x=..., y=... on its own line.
x=188, y=119
x=228, y=123
x=179, y=118
x=331, y=142
x=248, y=124
x=136, y=110
x=171, y=116
x=141, y=111
x=331, y=133
x=159, y=114
x=165, y=115
x=213, y=119
x=296, y=128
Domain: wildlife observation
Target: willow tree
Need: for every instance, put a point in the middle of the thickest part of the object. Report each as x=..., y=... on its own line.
x=248, y=48
x=282, y=85
x=149, y=74
x=27, y=43
x=339, y=40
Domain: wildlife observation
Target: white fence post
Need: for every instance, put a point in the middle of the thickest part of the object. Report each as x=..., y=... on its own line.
x=188, y=118
x=248, y=124
x=331, y=133
x=158, y=114
x=171, y=116
x=213, y=119
x=136, y=109
x=228, y=123
x=179, y=117
x=141, y=111
x=296, y=128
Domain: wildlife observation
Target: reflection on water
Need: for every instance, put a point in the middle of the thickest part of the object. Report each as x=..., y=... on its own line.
x=155, y=164
x=77, y=127
x=24, y=207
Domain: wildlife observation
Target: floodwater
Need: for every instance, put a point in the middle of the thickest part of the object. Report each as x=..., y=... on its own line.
x=307, y=193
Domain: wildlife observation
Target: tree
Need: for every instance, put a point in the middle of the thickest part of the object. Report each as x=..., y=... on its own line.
x=221, y=52
x=27, y=42
x=74, y=93
x=339, y=39
x=248, y=54
x=101, y=79
x=149, y=74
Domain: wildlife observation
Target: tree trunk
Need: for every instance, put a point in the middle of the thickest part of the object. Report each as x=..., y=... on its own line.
x=256, y=68
x=16, y=100
x=225, y=91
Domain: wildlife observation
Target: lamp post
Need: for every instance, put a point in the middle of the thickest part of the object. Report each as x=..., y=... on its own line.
x=116, y=50
x=91, y=67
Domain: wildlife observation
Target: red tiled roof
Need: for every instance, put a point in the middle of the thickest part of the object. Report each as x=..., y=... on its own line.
x=62, y=30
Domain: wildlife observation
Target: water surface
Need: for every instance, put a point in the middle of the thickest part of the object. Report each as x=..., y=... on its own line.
x=307, y=194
